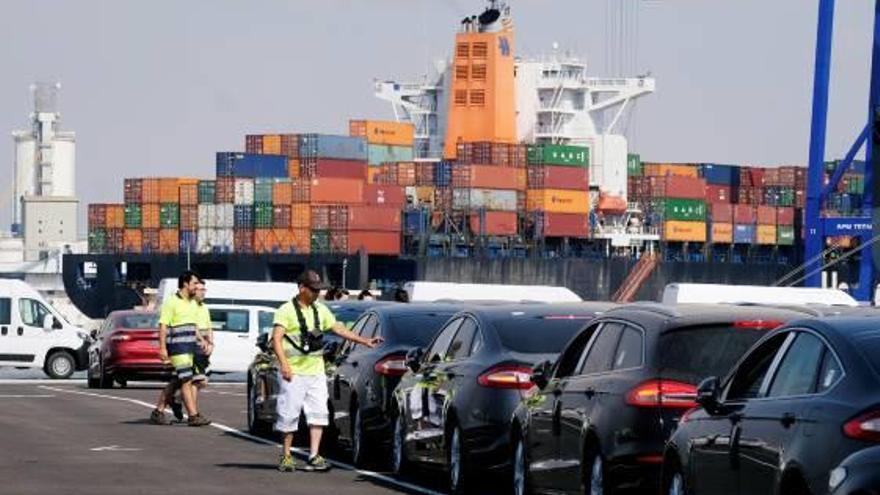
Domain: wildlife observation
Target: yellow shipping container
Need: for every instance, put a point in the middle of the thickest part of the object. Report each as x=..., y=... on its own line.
x=679, y=231
x=664, y=169
x=558, y=201
x=372, y=174
x=425, y=194
x=381, y=132
x=722, y=233
x=271, y=144
x=766, y=234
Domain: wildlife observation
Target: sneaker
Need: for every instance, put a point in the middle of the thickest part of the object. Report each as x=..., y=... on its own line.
x=287, y=464
x=316, y=463
x=177, y=409
x=198, y=420
x=158, y=417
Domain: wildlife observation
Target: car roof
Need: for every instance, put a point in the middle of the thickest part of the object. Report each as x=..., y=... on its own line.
x=662, y=316
x=821, y=310
x=354, y=304
x=592, y=308
x=419, y=308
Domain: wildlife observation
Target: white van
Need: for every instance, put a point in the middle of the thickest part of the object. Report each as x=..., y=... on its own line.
x=33, y=334
x=754, y=294
x=436, y=291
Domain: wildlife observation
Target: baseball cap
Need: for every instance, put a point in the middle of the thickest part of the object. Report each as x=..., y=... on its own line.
x=312, y=280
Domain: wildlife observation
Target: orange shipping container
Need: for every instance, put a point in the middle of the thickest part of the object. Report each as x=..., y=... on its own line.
x=406, y=174
x=273, y=241
x=150, y=191
x=766, y=234
x=679, y=231
x=169, y=240
x=494, y=177
x=663, y=169
x=169, y=190
x=301, y=241
x=132, y=241
x=189, y=217
x=282, y=193
x=115, y=216
x=271, y=144
x=558, y=201
x=293, y=168
x=425, y=194
x=189, y=194
x=150, y=218
x=382, y=132
x=722, y=233
x=301, y=216
x=373, y=242
x=497, y=223
x=373, y=174
x=337, y=191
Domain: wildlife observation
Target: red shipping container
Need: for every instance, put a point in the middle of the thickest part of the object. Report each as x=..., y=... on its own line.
x=497, y=223
x=339, y=241
x=721, y=212
x=290, y=145
x=243, y=240
x=564, y=225
x=756, y=176
x=253, y=143
x=281, y=217
x=785, y=216
x=337, y=191
x=189, y=217
x=718, y=194
x=374, y=218
x=150, y=239
x=97, y=216
x=115, y=241
x=685, y=187
x=554, y=177
x=766, y=215
x=424, y=174
x=225, y=190
x=320, y=218
x=133, y=191
x=744, y=214
x=373, y=242
x=382, y=195
x=332, y=168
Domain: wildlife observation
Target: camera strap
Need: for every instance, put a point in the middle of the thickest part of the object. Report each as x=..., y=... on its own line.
x=304, y=346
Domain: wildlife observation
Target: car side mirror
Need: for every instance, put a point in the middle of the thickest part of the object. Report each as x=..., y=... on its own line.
x=541, y=374
x=414, y=359
x=707, y=394
x=263, y=342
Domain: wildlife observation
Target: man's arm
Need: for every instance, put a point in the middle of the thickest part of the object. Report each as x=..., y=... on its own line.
x=339, y=329
x=163, y=349
x=278, y=348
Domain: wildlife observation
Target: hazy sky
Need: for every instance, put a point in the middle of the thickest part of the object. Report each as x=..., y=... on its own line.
x=156, y=87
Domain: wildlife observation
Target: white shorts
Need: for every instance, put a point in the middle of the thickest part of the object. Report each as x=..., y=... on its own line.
x=303, y=392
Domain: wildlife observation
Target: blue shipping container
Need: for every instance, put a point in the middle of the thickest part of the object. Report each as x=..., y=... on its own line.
x=231, y=164
x=414, y=221
x=330, y=146
x=723, y=175
x=443, y=174
x=383, y=153
x=243, y=217
x=188, y=241
x=743, y=234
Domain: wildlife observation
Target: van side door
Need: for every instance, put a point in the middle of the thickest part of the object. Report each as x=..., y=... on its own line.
x=13, y=348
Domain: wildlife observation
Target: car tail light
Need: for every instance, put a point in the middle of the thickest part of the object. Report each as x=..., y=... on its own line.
x=507, y=377
x=663, y=393
x=864, y=427
x=758, y=324
x=121, y=337
x=394, y=365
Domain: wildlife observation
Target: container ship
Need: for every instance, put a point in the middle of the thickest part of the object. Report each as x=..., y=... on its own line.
x=496, y=169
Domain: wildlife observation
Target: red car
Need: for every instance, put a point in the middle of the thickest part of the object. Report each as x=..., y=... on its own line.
x=126, y=348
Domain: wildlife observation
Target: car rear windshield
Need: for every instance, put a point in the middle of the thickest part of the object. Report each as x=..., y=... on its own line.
x=138, y=322
x=693, y=353
x=539, y=334
x=416, y=329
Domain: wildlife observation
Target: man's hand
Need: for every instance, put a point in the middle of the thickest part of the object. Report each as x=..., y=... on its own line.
x=373, y=342
x=286, y=372
x=163, y=355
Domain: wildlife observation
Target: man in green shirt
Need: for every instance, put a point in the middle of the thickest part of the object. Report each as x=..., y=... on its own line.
x=178, y=337
x=298, y=327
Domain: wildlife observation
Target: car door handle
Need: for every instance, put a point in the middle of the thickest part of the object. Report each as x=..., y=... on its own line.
x=787, y=420
x=354, y=364
x=589, y=393
x=243, y=336
x=20, y=331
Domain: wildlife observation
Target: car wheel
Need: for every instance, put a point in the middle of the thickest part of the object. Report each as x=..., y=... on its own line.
x=520, y=467
x=105, y=380
x=59, y=365
x=255, y=425
x=594, y=483
x=457, y=469
x=92, y=381
x=122, y=382
x=359, y=453
x=398, y=446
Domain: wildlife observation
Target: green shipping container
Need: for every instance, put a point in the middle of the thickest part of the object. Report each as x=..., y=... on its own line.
x=263, y=212
x=320, y=241
x=263, y=190
x=681, y=209
x=785, y=235
x=169, y=215
x=207, y=191
x=786, y=196
x=633, y=165
x=97, y=241
x=558, y=154
x=378, y=154
x=133, y=216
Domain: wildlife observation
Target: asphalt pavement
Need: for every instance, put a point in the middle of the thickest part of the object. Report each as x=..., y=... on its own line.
x=60, y=436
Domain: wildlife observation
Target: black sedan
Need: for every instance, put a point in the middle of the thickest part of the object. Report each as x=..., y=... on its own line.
x=453, y=408
x=262, y=380
x=800, y=401
x=602, y=414
x=363, y=379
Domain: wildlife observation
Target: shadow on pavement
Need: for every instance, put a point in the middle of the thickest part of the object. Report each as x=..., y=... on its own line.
x=248, y=465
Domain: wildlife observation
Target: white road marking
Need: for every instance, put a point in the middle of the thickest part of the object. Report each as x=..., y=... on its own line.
x=232, y=431
x=38, y=381
x=114, y=448
x=13, y=396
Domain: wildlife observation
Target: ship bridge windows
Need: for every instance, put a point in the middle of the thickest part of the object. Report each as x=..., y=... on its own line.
x=478, y=97
x=480, y=49
x=478, y=72
x=461, y=72
x=463, y=50
x=461, y=97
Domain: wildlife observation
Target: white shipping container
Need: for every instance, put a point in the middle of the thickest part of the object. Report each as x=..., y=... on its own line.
x=206, y=216
x=490, y=199
x=223, y=240
x=205, y=240
x=224, y=216
x=244, y=191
